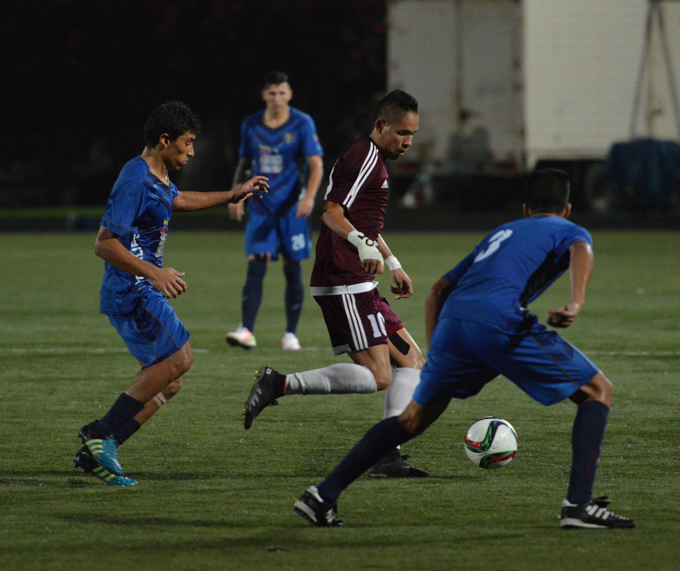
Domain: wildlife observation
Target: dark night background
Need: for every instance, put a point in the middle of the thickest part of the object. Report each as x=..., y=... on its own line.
x=78, y=79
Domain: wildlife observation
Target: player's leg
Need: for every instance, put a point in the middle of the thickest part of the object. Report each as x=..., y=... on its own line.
x=340, y=378
x=295, y=245
x=549, y=369
x=580, y=509
x=156, y=337
x=260, y=244
x=294, y=296
x=407, y=360
x=251, y=298
x=318, y=504
x=353, y=325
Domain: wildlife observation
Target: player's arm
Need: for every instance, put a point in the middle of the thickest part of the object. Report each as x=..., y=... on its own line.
x=190, y=201
x=403, y=287
x=580, y=271
x=306, y=203
x=434, y=302
x=333, y=216
x=236, y=210
x=166, y=280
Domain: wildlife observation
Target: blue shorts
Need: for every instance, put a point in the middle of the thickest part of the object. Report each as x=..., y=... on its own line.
x=289, y=235
x=465, y=355
x=152, y=332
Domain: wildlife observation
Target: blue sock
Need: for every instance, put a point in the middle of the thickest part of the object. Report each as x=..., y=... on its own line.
x=586, y=443
x=381, y=439
x=252, y=292
x=128, y=430
x=295, y=292
x=119, y=416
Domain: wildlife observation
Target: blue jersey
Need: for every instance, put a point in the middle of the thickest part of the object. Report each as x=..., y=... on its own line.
x=511, y=267
x=138, y=211
x=276, y=153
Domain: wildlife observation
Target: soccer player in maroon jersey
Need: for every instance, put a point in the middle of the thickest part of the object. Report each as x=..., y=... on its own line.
x=349, y=252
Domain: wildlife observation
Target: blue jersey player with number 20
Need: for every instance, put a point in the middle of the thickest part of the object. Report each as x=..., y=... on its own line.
x=478, y=327
x=280, y=143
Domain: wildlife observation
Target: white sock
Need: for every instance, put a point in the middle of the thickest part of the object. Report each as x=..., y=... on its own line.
x=338, y=379
x=399, y=393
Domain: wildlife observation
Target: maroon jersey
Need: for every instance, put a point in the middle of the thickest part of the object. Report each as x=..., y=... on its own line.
x=358, y=182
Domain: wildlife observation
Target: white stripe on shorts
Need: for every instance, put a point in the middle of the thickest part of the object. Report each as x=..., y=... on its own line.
x=354, y=320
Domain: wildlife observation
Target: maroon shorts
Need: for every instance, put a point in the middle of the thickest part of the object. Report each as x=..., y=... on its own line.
x=358, y=321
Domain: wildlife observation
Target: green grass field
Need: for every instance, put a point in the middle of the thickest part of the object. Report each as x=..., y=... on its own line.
x=213, y=496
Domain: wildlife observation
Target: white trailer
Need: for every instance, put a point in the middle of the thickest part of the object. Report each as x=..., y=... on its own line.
x=503, y=84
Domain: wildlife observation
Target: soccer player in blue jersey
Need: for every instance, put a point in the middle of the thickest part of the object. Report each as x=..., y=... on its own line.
x=281, y=143
x=478, y=327
x=136, y=286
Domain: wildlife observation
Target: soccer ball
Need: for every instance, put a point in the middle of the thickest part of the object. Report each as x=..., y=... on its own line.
x=491, y=442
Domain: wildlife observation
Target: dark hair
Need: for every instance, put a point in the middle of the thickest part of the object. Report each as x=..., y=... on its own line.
x=275, y=78
x=547, y=191
x=394, y=105
x=174, y=118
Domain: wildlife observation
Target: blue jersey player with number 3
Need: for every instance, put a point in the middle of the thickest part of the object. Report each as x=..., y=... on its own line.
x=478, y=327
x=280, y=143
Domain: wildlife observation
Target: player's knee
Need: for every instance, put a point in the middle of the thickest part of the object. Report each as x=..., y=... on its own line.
x=182, y=360
x=382, y=379
x=173, y=388
x=599, y=388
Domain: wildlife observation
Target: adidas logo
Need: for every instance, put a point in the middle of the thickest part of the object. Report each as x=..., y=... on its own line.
x=385, y=184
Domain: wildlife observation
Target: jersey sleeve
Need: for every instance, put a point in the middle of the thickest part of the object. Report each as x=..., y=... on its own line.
x=310, y=140
x=244, y=149
x=453, y=276
x=576, y=234
x=352, y=168
x=123, y=208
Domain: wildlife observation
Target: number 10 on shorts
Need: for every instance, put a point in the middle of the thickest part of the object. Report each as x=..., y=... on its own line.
x=378, y=324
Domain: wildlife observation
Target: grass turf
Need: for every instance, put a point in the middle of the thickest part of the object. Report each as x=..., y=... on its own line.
x=213, y=496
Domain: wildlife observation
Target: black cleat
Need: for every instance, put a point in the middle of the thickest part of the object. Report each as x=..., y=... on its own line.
x=84, y=460
x=311, y=507
x=269, y=385
x=394, y=465
x=594, y=515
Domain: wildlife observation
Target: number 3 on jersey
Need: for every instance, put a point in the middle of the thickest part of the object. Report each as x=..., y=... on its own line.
x=494, y=244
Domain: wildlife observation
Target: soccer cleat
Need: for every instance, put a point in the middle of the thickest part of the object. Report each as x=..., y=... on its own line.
x=311, y=507
x=268, y=386
x=290, y=342
x=394, y=465
x=84, y=460
x=242, y=337
x=103, y=448
x=593, y=514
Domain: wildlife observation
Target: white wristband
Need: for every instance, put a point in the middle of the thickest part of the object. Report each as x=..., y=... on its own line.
x=368, y=249
x=392, y=263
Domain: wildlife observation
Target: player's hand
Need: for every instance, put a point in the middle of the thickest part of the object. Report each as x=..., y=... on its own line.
x=564, y=316
x=169, y=282
x=304, y=207
x=236, y=211
x=370, y=256
x=403, y=287
x=253, y=187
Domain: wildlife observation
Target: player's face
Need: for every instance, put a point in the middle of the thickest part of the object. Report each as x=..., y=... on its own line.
x=179, y=151
x=397, y=138
x=277, y=96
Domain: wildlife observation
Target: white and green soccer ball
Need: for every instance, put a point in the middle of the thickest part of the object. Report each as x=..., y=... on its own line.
x=491, y=442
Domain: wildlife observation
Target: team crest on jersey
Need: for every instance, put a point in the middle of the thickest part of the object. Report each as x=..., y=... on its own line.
x=289, y=138
x=161, y=242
